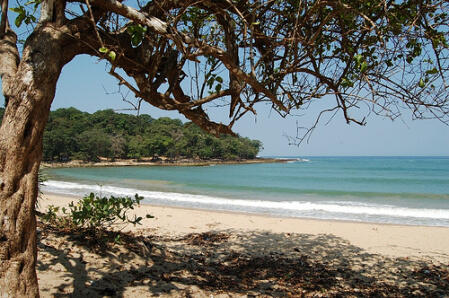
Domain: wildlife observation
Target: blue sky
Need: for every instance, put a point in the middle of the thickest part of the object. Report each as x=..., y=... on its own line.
x=84, y=84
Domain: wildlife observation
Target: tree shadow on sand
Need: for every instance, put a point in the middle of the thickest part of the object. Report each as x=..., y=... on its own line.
x=254, y=264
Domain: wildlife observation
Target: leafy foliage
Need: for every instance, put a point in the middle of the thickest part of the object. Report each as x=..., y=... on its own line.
x=23, y=15
x=72, y=134
x=94, y=213
x=371, y=56
x=52, y=217
x=137, y=33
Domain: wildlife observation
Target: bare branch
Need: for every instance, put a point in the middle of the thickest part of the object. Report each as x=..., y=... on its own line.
x=124, y=82
x=153, y=23
x=92, y=19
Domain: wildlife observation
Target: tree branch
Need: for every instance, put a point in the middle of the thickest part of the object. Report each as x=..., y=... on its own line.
x=9, y=58
x=296, y=54
x=235, y=69
x=4, y=18
x=153, y=23
x=47, y=10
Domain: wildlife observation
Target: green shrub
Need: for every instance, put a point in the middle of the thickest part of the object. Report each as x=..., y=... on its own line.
x=94, y=213
x=51, y=216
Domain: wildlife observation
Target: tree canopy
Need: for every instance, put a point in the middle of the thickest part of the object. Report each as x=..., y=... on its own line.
x=374, y=56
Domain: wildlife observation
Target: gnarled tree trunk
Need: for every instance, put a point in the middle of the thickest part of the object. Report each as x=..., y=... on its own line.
x=29, y=90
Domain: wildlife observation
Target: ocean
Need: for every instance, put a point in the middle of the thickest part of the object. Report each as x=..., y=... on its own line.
x=397, y=190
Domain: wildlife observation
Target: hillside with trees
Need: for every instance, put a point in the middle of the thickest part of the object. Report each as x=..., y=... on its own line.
x=72, y=134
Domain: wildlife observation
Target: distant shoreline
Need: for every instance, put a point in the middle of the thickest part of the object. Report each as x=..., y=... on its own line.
x=162, y=162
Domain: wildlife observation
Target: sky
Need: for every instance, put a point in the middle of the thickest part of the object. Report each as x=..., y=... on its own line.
x=85, y=85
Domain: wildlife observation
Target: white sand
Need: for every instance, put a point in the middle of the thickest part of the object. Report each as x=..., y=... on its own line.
x=431, y=243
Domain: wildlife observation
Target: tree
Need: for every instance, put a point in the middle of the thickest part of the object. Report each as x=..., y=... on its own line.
x=60, y=136
x=137, y=148
x=118, y=147
x=385, y=55
x=72, y=134
x=94, y=143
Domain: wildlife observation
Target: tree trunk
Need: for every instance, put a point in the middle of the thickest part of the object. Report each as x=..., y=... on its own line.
x=29, y=93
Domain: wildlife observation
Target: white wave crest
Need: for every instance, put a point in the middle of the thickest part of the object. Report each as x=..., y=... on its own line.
x=296, y=208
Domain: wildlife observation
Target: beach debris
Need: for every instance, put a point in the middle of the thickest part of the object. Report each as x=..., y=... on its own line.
x=229, y=264
x=207, y=238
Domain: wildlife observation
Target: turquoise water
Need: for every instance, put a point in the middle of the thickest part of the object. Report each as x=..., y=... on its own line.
x=405, y=190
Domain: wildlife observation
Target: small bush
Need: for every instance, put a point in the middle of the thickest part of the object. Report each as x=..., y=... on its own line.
x=95, y=213
x=51, y=216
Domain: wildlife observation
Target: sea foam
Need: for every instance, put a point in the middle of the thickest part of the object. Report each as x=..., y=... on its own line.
x=324, y=209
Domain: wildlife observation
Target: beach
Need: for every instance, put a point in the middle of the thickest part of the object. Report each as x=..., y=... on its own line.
x=164, y=162
x=344, y=256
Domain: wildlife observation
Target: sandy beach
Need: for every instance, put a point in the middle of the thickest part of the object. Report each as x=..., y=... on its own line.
x=185, y=252
x=165, y=162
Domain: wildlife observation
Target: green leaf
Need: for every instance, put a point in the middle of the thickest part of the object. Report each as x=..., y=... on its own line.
x=358, y=58
x=347, y=83
x=35, y=2
x=136, y=39
x=103, y=50
x=29, y=19
x=432, y=71
x=112, y=55
x=130, y=30
x=19, y=19
x=17, y=9
x=421, y=83
x=210, y=82
x=136, y=29
x=363, y=66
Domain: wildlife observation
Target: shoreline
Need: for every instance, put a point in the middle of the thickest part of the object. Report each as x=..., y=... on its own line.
x=258, y=214
x=163, y=163
x=393, y=240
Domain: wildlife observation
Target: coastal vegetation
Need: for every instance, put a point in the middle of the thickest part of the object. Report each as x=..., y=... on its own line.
x=93, y=214
x=72, y=134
